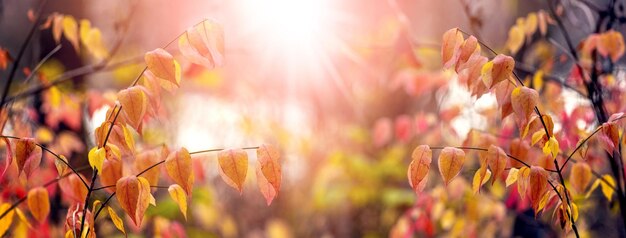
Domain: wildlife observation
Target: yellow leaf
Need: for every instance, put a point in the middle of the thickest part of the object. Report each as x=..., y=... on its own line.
x=38, y=203
x=70, y=30
x=117, y=221
x=512, y=177
x=516, y=39
x=450, y=163
x=497, y=70
x=580, y=176
x=178, y=195
x=551, y=147
x=538, y=79
x=96, y=158
x=481, y=177
x=6, y=221
x=22, y=217
x=61, y=167
x=233, y=167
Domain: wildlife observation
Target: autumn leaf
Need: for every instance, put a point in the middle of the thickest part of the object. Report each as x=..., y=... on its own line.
x=512, y=176
x=497, y=70
x=6, y=221
x=144, y=160
x=452, y=40
x=134, y=103
x=538, y=186
x=38, y=203
x=111, y=173
x=606, y=185
x=580, y=176
x=203, y=44
x=481, y=177
x=179, y=168
x=96, y=157
x=469, y=47
x=134, y=196
x=178, y=195
x=91, y=38
x=450, y=163
x=551, y=147
x=117, y=221
x=73, y=187
x=70, y=30
x=27, y=155
x=516, y=39
x=268, y=191
x=233, y=167
x=497, y=160
x=268, y=157
x=522, y=181
x=419, y=167
x=504, y=90
x=162, y=64
x=609, y=137
x=611, y=44
x=523, y=101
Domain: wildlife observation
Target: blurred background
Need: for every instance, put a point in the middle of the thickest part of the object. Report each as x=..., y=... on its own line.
x=346, y=89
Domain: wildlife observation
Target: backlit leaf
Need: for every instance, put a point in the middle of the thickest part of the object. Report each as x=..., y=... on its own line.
x=523, y=101
x=516, y=39
x=497, y=70
x=481, y=177
x=512, y=177
x=538, y=186
x=551, y=147
x=450, y=163
x=9, y=156
x=134, y=196
x=38, y=203
x=27, y=155
x=96, y=157
x=117, y=221
x=233, y=167
x=497, y=160
x=607, y=187
x=522, y=181
x=179, y=168
x=419, y=167
x=73, y=188
x=611, y=45
x=134, y=105
x=268, y=191
x=268, y=157
x=609, y=136
x=452, y=40
x=203, y=44
x=162, y=64
x=180, y=197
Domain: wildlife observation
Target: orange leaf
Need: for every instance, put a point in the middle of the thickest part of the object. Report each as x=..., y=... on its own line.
x=503, y=97
x=268, y=158
x=609, y=136
x=9, y=156
x=419, y=167
x=523, y=101
x=178, y=195
x=265, y=187
x=111, y=173
x=4, y=59
x=450, y=163
x=468, y=48
x=497, y=158
x=497, y=70
x=38, y=203
x=57, y=27
x=162, y=64
x=203, y=44
x=452, y=41
x=134, y=105
x=611, y=44
x=233, y=167
x=27, y=155
x=73, y=188
x=134, y=196
x=179, y=168
x=580, y=176
x=146, y=159
x=522, y=181
x=538, y=186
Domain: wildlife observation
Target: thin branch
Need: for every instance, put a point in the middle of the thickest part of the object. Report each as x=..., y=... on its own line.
x=21, y=52
x=43, y=61
x=483, y=149
x=93, y=182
